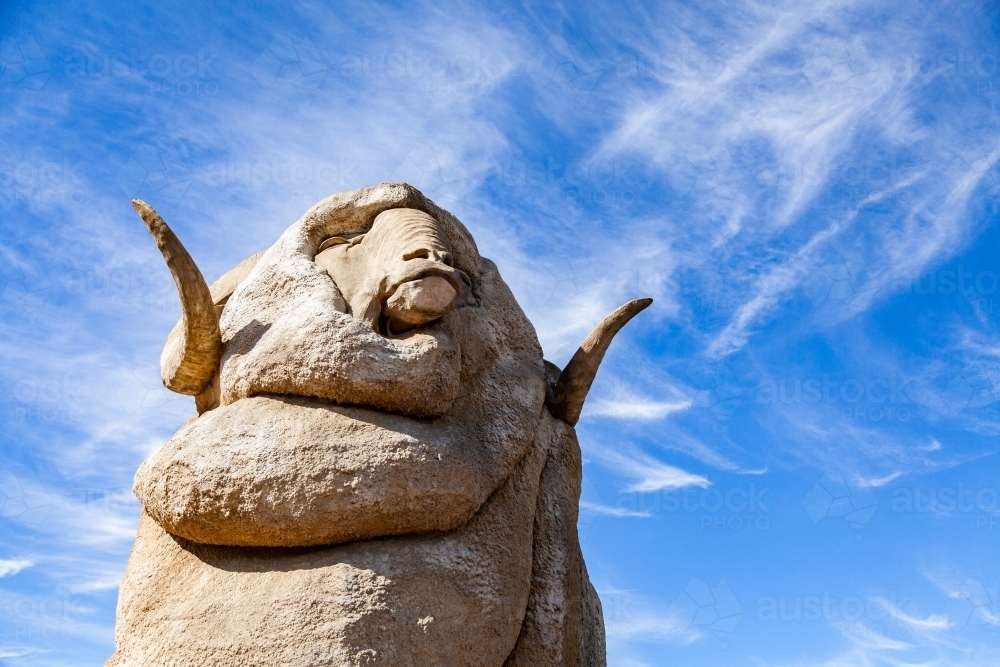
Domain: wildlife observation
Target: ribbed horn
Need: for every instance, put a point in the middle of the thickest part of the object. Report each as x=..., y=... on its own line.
x=194, y=347
x=565, y=399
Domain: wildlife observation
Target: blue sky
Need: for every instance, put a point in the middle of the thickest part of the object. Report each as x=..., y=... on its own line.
x=791, y=457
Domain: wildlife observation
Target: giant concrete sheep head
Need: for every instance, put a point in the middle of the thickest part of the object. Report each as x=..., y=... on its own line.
x=375, y=306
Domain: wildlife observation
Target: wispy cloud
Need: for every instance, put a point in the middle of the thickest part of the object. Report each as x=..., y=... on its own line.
x=767, y=171
x=932, y=622
x=876, y=482
x=612, y=511
x=764, y=126
x=10, y=566
x=932, y=446
x=629, y=615
x=18, y=651
x=635, y=409
x=649, y=473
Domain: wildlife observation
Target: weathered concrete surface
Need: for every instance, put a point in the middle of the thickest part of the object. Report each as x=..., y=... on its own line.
x=563, y=623
x=279, y=469
x=376, y=476
x=453, y=599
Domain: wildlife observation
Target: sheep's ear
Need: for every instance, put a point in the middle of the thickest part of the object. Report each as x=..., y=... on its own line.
x=224, y=287
x=568, y=389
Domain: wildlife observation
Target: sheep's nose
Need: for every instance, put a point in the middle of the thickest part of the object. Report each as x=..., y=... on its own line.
x=440, y=256
x=421, y=301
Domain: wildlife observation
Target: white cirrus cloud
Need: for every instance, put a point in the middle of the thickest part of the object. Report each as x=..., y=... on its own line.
x=11, y=566
x=650, y=474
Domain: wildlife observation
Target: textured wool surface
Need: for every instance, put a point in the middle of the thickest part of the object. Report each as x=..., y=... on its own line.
x=359, y=498
x=456, y=598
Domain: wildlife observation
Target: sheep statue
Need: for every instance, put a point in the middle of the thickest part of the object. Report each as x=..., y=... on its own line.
x=383, y=469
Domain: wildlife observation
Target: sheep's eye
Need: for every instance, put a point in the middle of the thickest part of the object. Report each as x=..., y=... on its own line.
x=332, y=241
x=416, y=254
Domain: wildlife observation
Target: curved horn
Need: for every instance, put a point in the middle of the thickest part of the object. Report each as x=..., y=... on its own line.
x=565, y=399
x=194, y=347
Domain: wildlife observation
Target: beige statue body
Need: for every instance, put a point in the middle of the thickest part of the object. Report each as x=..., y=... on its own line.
x=384, y=471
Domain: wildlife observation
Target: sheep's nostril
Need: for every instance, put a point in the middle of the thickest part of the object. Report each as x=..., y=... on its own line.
x=421, y=301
